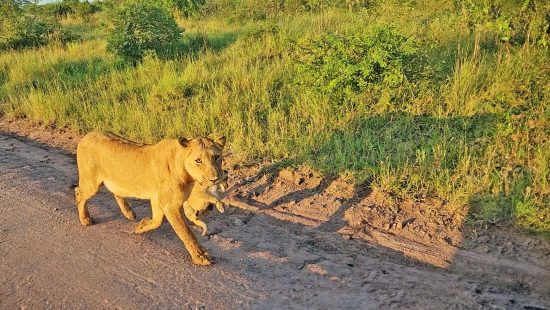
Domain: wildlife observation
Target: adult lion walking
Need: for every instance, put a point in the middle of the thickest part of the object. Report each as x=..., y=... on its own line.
x=161, y=173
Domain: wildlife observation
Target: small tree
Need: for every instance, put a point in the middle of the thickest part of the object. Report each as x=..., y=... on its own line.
x=186, y=7
x=57, y=10
x=85, y=9
x=9, y=9
x=346, y=66
x=30, y=32
x=19, y=30
x=142, y=27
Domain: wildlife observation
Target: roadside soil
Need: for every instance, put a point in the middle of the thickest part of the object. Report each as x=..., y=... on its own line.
x=289, y=239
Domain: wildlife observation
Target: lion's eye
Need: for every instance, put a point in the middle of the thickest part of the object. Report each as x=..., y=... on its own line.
x=198, y=161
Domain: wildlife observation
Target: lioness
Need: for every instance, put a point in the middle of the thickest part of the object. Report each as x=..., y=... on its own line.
x=162, y=173
x=200, y=200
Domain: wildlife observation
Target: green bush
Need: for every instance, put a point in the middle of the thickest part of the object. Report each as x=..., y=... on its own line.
x=57, y=9
x=61, y=9
x=511, y=22
x=8, y=10
x=186, y=7
x=28, y=32
x=344, y=66
x=318, y=5
x=243, y=10
x=84, y=9
x=142, y=27
x=19, y=30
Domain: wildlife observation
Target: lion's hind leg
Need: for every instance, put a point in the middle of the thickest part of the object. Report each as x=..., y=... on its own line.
x=82, y=194
x=148, y=224
x=125, y=208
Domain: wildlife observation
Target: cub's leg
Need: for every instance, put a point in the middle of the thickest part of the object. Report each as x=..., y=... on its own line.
x=198, y=255
x=85, y=191
x=125, y=208
x=147, y=224
x=216, y=201
x=220, y=206
x=193, y=217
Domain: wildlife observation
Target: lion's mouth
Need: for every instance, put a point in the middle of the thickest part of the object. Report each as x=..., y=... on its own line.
x=206, y=183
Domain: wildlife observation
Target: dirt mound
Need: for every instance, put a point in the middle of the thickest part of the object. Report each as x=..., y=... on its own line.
x=383, y=219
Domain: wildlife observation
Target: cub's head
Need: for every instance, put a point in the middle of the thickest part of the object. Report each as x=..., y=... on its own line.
x=204, y=160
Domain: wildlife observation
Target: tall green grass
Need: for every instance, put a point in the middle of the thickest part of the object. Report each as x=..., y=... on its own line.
x=471, y=126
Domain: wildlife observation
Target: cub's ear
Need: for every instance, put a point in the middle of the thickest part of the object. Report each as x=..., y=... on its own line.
x=183, y=141
x=220, y=140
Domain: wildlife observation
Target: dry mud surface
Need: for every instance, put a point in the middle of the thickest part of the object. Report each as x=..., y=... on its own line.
x=288, y=239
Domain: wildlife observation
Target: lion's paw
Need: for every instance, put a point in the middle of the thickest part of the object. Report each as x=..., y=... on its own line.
x=142, y=225
x=87, y=221
x=201, y=258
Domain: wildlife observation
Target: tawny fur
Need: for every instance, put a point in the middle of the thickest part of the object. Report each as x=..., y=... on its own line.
x=162, y=173
x=200, y=199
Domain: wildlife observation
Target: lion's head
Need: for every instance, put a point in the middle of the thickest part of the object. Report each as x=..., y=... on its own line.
x=204, y=159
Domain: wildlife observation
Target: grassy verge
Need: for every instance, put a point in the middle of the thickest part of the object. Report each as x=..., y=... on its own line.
x=466, y=119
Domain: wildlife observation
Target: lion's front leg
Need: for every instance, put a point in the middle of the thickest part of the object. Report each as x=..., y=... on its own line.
x=198, y=255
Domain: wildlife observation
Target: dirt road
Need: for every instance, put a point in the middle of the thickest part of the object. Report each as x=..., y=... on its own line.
x=48, y=260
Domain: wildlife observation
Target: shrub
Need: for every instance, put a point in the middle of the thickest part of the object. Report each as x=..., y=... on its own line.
x=57, y=9
x=186, y=7
x=19, y=31
x=345, y=66
x=511, y=22
x=29, y=32
x=319, y=5
x=84, y=9
x=243, y=10
x=142, y=27
x=8, y=10
x=61, y=9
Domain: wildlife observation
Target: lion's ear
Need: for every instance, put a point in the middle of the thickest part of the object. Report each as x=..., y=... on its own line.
x=183, y=141
x=220, y=140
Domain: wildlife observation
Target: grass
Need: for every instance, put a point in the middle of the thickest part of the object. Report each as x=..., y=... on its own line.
x=472, y=127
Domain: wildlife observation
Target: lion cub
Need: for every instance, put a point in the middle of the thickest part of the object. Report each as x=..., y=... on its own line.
x=200, y=199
